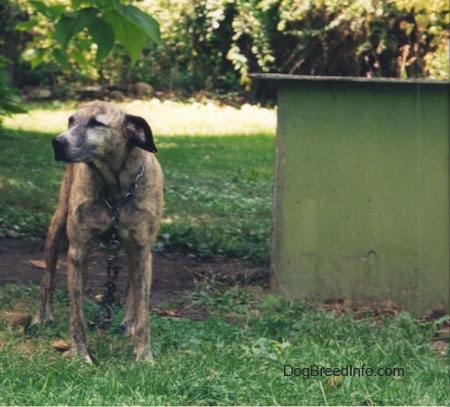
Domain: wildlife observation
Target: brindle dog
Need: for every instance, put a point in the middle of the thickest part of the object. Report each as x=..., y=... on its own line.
x=106, y=149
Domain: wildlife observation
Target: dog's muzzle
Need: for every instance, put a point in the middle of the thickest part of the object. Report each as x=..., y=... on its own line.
x=60, y=146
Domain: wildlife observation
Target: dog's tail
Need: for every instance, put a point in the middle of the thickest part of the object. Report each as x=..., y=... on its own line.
x=57, y=231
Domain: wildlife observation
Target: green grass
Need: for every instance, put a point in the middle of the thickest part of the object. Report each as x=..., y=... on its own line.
x=218, y=171
x=218, y=195
x=235, y=355
x=218, y=183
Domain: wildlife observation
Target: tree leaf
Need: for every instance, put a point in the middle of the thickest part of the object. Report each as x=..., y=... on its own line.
x=61, y=58
x=38, y=57
x=72, y=23
x=142, y=21
x=64, y=30
x=133, y=28
x=51, y=12
x=132, y=39
x=103, y=35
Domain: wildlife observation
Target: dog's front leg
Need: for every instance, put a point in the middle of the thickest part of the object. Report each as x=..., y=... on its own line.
x=140, y=284
x=76, y=274
x=128, y=323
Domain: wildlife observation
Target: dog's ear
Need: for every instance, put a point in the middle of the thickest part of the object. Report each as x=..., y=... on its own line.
x=140, y=133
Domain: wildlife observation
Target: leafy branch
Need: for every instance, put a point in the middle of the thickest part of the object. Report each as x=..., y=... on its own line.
x=86, y=28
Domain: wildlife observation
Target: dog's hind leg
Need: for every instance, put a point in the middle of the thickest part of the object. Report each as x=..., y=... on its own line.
x=56, y=235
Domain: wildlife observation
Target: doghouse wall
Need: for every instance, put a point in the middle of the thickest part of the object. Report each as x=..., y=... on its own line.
x=361, y=208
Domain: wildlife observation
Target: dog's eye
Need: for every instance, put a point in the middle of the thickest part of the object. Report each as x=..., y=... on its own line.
x=93, y=122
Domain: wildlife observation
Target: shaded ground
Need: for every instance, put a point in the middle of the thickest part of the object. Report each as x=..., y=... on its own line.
x=22, y=262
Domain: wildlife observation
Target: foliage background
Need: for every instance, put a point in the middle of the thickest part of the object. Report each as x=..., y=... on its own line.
x=213, y=45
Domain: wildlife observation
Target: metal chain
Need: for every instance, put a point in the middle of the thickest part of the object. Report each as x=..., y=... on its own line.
x=105, y=311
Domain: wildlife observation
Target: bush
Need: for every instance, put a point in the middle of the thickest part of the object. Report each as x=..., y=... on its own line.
x=216, y=44
x=9, y=99
x=197, y=36
x=213, y=45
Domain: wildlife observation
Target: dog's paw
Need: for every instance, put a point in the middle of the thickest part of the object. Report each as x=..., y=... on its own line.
x=41, y=318
x=127, y=327
x=84, y=356
x=144, y=355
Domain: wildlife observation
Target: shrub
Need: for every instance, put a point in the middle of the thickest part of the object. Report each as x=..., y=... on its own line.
x=213, y=45
x=216, y=44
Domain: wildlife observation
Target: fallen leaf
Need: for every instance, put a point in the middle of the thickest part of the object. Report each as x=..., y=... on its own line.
x=40, y=264
x=61, y=345
x=167, y=312
x=333, y=381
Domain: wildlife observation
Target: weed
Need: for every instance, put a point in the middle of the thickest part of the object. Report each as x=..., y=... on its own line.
x=214, y=361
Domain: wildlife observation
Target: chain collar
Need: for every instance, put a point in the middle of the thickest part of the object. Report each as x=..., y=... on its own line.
x=114, y=209
x=105, y=312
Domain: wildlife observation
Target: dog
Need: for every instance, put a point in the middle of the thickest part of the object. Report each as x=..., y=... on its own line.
x=110, y=162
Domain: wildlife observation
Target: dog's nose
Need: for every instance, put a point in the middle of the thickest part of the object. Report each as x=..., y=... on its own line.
x=59, y=148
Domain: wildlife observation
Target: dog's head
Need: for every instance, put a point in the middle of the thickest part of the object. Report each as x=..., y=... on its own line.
x=99, y=130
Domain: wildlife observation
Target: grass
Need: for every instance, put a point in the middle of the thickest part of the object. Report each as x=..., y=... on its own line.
x=240, y=349
x=218, y=195
x=218, y=175
x=235, y=355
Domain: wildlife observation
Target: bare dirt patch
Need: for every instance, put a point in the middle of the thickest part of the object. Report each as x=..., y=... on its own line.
x=174, y=274
x=22, y=262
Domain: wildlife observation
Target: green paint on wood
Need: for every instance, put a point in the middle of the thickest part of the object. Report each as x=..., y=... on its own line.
x=361, y=206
